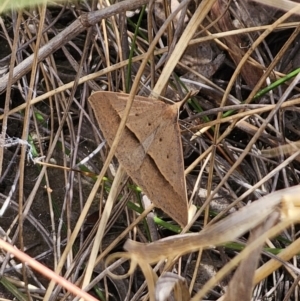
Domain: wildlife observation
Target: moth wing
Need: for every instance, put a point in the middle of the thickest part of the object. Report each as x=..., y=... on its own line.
x=166, y=151
x=145, y=116
x=152, y=154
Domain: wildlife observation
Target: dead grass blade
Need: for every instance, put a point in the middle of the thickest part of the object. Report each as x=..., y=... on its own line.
x=285, y=5
x=45, y=271
x=242, y=283
x=170, y=285
x=281, y=203
x=283, y=149
x=188, y=33
x=69, y=33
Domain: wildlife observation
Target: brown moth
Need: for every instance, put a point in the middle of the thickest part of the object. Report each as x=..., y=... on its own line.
x=149, y=149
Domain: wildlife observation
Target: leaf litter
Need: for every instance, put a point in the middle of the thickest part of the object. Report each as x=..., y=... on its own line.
x=238, y=159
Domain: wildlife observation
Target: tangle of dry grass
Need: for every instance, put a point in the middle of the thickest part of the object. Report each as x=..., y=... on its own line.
x=236, y=143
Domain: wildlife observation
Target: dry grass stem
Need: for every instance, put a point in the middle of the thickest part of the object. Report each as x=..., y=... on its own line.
x=66, y=201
